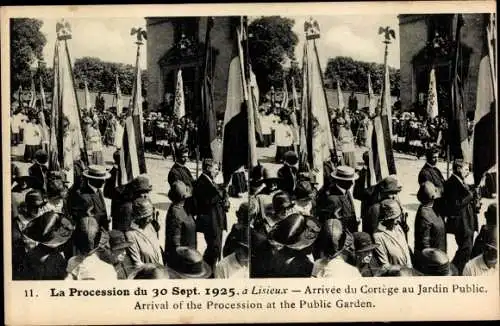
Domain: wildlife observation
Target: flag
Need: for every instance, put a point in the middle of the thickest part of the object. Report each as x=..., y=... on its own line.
x=41, y=114
x=316, y=141
x=179, y=106
x=284, y=100
x=295, y=97
x=254, y=90
x=372, y=99
x=20, y=96
x=458, y=137
x=208, y=123
x=432, y=103
x=119, y=99
x=42, y=95
x=88, y=105
x=342, y=110
x=484, y=144
x=32, y=101
x=235, y=147
x=132, y=160
x=66, y=142
x=381, y=157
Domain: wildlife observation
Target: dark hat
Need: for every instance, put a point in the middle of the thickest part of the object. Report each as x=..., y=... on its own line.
x=427, y=192
x=55, y=187
x=344, y=172
x=435, y=262
x=491, y=213
x=334, y=234
x=491, y=238
x=247, y=209
x=281, y=200
x=96, y=172
x=363, y=242
x=431, y=151
x=296, y=231
x=189, y=263
x=389, y=185
x=34, y=198
x=396, y=270
x=142, y=208
x=41, y=156
x=389, y=210
x=291, y=157
x=181, y=149
x=149, y=272
x=303, y=190
x=117, y=240
x=50, y=229
x=178, y=191
x=140, y=184
x=57, y=175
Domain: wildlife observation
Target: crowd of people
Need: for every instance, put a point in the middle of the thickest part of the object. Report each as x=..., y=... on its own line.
x=62, y=229
x=301, y=230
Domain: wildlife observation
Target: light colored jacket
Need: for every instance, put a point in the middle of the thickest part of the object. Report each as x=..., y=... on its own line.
x=145, y=245
x=393, y=248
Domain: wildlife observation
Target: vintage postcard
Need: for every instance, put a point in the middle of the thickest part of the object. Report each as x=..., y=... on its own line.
x=250, y=163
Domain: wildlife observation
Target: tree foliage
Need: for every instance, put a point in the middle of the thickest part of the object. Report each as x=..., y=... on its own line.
x=26, y=46
x=353, y=75
x=101, y=75
x=271, y=41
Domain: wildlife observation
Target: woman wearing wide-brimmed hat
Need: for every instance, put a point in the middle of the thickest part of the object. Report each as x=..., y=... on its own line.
x=304, y=197
x=293, y=238
x=87, y=265
x=46, y=261
x=363, y=251
x=392, y=245
x=180, y=226
x=188, y=265
x=119, y=258
x=146, y=245
x=287, y=174
x=430, y=231
x=334, y=263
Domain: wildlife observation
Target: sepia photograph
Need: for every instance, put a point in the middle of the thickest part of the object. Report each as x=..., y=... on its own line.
x=119, y=167
x=286, y=162
x=377, y=153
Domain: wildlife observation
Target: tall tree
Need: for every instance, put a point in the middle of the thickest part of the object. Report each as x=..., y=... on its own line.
x=352, y=75
x=26, y=45
x=271, y=42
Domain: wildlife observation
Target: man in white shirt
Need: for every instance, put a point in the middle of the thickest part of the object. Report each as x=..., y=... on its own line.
x=486, y=263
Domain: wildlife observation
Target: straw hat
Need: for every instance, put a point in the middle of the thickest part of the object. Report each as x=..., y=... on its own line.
x=96, y=172
x=344, y=172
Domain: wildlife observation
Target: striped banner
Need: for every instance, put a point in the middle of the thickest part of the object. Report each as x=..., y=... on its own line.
x=381, y=162
x=132, y=159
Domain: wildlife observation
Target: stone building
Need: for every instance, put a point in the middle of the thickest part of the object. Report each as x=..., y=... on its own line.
x=429, y=40
x=179, y=43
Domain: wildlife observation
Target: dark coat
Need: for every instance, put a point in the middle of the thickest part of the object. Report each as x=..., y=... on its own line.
x=290, y=263
x=211, y=205
x=180, y=173
x=367, y=195
x=332, y=199
x=39, y=173
x=287, y=178
x=44, y=263
x=459, y=207
x=232, y=239
x=328, y=168
x=121, y=207
x=180, y=230
x=432, y=174
x=430, y=231
x=84, y=198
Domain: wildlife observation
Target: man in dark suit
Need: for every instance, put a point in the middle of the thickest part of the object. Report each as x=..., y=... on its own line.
x=336, y=202
x=287, y=174
x=460, y=209
x=38, y=171
x=430, y=172
x=179, y=171
x=212, y=204
x=90, y=196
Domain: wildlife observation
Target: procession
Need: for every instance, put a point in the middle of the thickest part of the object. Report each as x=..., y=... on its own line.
x=214, y=170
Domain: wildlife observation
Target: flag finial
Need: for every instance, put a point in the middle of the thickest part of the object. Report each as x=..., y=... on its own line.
x=63, y=30
x=388, y=32
x=311, y=29
x=141, y=34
